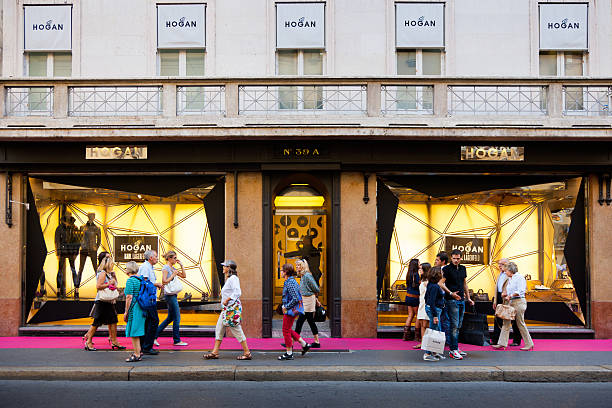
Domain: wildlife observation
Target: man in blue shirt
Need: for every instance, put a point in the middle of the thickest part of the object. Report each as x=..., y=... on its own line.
x=151, y=320
x=455, y=286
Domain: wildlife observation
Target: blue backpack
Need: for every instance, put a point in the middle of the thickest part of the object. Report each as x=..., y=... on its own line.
x=147, y=295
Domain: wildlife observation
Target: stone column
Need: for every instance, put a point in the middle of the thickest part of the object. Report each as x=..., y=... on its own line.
x=244, y=244
x=358, y=256
x=11, y=258
x=600, y=236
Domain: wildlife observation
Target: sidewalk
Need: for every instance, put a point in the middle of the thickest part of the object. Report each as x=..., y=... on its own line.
x=62, y=358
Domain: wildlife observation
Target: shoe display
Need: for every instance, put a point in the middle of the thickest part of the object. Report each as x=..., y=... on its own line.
x=430, y=357
x=286, y=357
x=454, y=354
x=180, y=343
x=156, y=343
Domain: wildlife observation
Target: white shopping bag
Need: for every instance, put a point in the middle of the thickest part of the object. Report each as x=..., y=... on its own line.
x=433, y=341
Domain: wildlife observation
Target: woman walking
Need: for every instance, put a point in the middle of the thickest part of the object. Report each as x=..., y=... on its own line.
x=292, y=307
x=169, y=273
x=104, y=311
x=134, y=316
x=230, y=296
x=422, y=320
x=308, y=290
x=515, y=296
x=434, y=303
x=412, y=296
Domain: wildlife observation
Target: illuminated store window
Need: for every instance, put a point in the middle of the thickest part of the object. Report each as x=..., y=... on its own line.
x=78, y=223
x=528, y=225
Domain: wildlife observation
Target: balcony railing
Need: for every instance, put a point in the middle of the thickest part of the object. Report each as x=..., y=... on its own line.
x=587, y=100
x=200, y=100
x=35, y=101
x=115, y=101
x=434, y=100
x=497, y=100
x=300, y=99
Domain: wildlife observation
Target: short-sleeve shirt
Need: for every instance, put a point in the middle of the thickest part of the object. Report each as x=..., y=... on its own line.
x=455, y=279
x=146, y=271
x=132, y=287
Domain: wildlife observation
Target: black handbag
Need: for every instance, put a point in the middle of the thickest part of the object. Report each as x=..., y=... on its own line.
x=475, y=329
x=320, y=314
x=279, y=309
x=480, y=296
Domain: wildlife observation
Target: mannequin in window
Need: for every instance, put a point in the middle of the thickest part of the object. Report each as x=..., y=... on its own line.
x=90, y=242
x=67, y=243
x=310, y=254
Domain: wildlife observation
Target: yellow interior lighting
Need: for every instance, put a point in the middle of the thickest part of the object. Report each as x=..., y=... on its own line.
x=299, y=201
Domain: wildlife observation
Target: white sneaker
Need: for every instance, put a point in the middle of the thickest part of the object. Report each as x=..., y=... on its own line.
x=430, y=357
x=180, y=343
x=156, y=343
x=454, y=354
x=441, y=356
x=463, y=353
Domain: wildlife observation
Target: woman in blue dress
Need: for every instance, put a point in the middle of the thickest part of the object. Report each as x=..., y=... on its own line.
x=134, y=315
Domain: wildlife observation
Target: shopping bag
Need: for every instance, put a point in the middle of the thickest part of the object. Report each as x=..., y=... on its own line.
x=475, y=328
x=232, y=314
x=433, y=341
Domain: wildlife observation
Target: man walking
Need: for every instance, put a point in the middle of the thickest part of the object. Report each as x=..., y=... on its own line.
x=151, y=319
x=502, y=281
x=455, y=286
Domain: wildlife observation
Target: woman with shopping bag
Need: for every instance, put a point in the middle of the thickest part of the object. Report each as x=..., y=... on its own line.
x=230, y=317
x=172, y=287
x=434, y=339
x=515, y=296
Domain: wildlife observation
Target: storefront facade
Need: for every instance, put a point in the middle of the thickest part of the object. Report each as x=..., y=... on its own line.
x=258, y=212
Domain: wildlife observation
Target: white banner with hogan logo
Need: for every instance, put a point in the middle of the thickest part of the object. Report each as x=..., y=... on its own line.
x=47, y=28
x=300, y=25
x=564, y=26
x=181, y=26
x=419, y=25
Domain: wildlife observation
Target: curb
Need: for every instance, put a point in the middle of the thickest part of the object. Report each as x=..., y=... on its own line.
x=553, y=374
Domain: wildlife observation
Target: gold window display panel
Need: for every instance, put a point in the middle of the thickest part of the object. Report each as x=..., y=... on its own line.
x=175, y=223
x=528, y=225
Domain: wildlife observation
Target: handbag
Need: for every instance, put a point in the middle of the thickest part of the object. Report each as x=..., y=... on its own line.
x=279, y=309
x=108, y=294
x=173, y=287
x=475, y=328
x=320, y=314
x=232, y=314
x=481, y=296
x=505, y=312
x=433, y=341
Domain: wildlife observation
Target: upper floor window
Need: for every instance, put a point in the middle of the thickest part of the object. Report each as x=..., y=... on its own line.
x=553, y=63
x=52, y=64
x=181, y=39
x=419, y=38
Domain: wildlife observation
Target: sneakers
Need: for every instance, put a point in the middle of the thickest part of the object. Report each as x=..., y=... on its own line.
x=286, y=357
x=463, y=353
x=430, y=357
x=440, y=356
x=156, y=343
x=181, y=343
x=454, y=354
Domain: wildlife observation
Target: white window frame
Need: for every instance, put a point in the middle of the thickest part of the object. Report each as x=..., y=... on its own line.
x=561, y=62
x=50, y=62
x=419, y=60
x=300, y=72
x=182, y=60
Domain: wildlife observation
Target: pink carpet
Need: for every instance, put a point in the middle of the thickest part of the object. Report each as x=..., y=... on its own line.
x=206, y=343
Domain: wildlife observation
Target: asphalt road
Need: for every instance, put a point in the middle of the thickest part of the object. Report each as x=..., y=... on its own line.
x=301, y=394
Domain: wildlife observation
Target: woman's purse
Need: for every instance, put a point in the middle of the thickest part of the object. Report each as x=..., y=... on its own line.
x=174, y=287
x=232, y=314
x=279, y=309
x=320, y=314
x=108, y=294
x=505, y=312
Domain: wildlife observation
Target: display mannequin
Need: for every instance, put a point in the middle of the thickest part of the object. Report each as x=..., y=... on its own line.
x=67, y=243
x=90, y=242
x=310, y=254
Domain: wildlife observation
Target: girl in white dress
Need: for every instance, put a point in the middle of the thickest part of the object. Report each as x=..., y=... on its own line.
x=422, y=322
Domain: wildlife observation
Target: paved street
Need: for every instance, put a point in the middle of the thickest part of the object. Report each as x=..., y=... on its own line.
x=301, y=394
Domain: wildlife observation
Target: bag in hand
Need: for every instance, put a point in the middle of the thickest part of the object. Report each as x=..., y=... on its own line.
x=433, y=341
x=475, y=328
x=279, y=309
x=232, y=314
x=320, y=314
x=174, y=287
x=505, y=312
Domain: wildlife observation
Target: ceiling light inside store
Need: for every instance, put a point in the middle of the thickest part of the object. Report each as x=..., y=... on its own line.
x=299, y=201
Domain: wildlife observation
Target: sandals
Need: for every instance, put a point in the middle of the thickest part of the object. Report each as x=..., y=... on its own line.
x=86, y=345
x=115, y=347
x=417, y=346
x=133, y=358
x=246, y=356
x=211, y=356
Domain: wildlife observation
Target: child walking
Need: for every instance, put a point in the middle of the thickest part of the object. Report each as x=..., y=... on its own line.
x=434, y=303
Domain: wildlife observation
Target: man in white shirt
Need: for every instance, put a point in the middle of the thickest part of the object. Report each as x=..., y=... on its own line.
x=151, y=320
x=497, y=300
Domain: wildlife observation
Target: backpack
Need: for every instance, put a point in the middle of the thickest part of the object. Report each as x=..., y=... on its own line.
x=147, y=295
